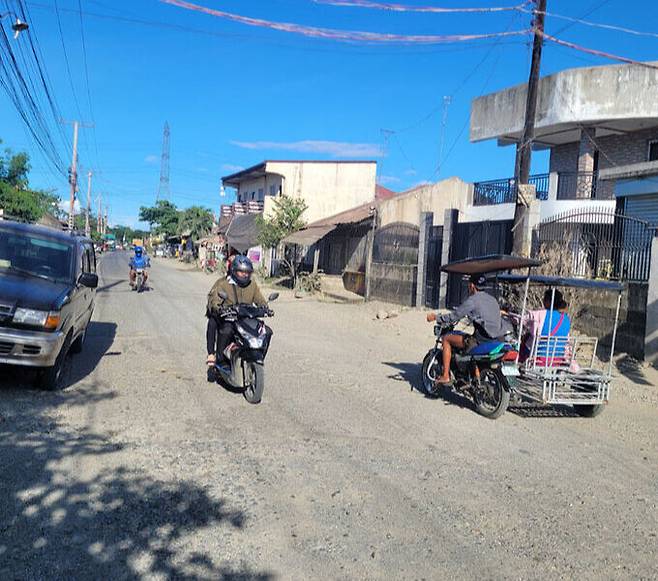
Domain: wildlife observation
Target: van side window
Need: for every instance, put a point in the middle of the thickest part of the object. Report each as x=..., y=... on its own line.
x=91, y=257
x=85, y=260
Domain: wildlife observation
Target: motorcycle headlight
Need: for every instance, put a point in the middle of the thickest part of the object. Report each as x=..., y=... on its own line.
x=255, y=342
x=33, y=318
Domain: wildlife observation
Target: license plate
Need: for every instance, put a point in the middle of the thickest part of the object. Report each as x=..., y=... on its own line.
x=510, y=370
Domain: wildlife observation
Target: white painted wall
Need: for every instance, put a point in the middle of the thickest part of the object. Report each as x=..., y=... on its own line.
x=547, y=209
x=436, y=198
x=327, y=187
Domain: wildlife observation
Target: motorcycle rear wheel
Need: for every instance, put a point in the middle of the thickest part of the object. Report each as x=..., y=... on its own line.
x=255, y=381
x=432, y=368
x=492, y=396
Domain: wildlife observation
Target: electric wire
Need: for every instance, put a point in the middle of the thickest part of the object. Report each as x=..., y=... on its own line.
x=407, y=8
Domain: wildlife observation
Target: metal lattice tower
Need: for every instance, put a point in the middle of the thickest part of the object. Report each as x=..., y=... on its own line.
x=163, y=190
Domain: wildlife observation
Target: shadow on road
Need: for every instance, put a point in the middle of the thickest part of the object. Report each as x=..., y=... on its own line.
x=58, y=523
x=411, y=373
x=99, y=339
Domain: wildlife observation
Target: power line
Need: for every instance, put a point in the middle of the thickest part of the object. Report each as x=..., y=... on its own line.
x=406, y=8
x=341, y=35
x=600, y=53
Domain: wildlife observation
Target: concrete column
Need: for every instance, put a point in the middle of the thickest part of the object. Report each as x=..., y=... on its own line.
x=552, y=186
x=426, y=221
x=585, y=162
x=450, y=219
x=651, y=332
x=529, y=193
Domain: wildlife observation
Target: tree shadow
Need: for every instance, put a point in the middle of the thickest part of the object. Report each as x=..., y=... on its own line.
x=57, y=523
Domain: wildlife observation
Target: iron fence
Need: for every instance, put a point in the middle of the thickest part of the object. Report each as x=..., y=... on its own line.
x=580, y=186
x=504, y=191
x=600, y=243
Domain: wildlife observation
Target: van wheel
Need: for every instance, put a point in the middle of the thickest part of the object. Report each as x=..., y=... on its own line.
x=78, y=344
x=50, y=378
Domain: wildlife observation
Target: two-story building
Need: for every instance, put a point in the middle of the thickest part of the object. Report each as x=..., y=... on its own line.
x=601, y=126
x=327, y=187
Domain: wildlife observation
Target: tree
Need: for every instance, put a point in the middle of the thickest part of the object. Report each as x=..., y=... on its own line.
x=286, y=218
x=16, y=199
x=196, y=220
x=164, y=216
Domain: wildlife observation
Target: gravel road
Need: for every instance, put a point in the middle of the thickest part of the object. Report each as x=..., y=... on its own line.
x=143, y=470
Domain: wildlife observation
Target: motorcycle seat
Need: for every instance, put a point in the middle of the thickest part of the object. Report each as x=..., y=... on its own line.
x=486, y=348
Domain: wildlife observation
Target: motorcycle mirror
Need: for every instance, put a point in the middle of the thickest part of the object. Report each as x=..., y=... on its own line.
x=223, y=295
x=273, y=297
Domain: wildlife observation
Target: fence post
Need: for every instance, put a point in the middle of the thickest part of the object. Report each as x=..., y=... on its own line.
x=651, y=332
x=553, y=178
x=528, y=224
x=426, y=221
x=450, y=219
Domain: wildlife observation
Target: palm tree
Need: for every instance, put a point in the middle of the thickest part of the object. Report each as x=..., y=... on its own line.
x=196, y=220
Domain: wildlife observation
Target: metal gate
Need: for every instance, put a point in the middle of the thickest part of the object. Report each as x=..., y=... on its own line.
x=433, y=280
x=395, y=263
x=600, y=243
x=471, y=239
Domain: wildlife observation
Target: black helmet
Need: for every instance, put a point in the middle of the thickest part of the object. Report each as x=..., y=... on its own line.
x=241, y=264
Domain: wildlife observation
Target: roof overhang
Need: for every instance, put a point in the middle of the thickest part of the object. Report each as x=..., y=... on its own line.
x=613, y=99
x=251, y=173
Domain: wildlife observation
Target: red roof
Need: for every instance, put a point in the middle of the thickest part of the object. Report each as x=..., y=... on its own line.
x=382, y=193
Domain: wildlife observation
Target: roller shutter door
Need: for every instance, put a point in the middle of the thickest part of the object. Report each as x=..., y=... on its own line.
x=643, y=207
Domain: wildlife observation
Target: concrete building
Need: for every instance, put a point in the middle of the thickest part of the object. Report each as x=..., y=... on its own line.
x=327, y=187
x=601, y=126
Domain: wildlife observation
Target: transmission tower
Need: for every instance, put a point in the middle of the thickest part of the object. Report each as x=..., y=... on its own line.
x=163, y=190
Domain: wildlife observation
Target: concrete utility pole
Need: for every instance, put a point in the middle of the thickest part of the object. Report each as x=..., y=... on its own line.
x=99, y=218
x=73, y=177
x=87, y=223
x=524, y=148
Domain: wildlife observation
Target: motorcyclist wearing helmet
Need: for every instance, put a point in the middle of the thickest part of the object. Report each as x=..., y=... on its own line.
x=139, y=261
x=240, y=289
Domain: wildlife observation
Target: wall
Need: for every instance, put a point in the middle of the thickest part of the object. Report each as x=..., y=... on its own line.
x=436, y=198
x=547, y=209
x=599, y=319
x=246, y=188
x=327, y=187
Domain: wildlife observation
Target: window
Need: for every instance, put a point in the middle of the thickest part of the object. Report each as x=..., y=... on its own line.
x=253, y=195
x=653, y=150
x=272, y=190
x=260, y=194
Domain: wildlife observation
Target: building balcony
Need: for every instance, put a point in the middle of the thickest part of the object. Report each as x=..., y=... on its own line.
x=554, y=186
x=239, y=209
x=504, y=191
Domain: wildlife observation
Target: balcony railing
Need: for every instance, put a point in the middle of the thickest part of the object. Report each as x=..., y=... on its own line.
x=238, y=209
x=504, y=191
x=582, y=186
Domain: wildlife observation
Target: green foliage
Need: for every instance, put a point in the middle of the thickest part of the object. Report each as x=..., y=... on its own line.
x=127, y=233
x=16, y=199
x=196, y=220
x=163, y=218
x=286, y=218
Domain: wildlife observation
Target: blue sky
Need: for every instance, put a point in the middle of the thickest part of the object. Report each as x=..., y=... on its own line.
x=234, y=95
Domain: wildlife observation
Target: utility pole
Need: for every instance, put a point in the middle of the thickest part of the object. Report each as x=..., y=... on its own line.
x=99, y=218
x=87, y=223
x=73, y=177
x=524, y=148
x=163, y=189
x=73, y=172
x=447, y=100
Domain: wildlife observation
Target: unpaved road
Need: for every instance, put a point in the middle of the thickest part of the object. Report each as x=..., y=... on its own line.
x=141, y=469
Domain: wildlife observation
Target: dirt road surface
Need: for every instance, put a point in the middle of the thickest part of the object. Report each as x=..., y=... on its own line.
x=142, y=469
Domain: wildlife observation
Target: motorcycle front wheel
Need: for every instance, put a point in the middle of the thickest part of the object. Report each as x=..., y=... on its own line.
x=432, y=368
x=254, y=381
x=492, y=395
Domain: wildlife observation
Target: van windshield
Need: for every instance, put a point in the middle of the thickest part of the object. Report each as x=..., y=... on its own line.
x=36, y=256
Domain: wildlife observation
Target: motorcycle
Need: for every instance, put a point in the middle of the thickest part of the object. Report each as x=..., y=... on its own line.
x=247, y=350
x=140, y=280
x=480, y=373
